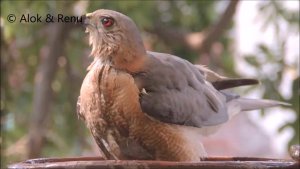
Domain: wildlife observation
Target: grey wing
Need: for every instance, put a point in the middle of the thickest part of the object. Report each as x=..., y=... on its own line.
x=177, y=92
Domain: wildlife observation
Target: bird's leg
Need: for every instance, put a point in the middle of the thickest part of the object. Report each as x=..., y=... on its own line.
x=113, y=145
x=104, y=147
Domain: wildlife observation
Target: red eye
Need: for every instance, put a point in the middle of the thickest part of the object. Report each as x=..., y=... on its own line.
x=107, y=22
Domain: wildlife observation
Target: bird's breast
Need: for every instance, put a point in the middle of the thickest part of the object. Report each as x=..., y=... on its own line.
x=119, y=97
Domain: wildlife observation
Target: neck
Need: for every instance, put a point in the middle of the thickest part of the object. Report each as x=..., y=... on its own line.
x=130, y=62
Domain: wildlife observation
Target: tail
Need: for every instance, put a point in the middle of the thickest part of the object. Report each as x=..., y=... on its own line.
x=231, y=83
x=239, y=104
x=253, y=104
x=236, y=105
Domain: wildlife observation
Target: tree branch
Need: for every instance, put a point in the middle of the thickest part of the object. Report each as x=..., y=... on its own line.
x=216, y=31
x=198, y=41
x=42, y=97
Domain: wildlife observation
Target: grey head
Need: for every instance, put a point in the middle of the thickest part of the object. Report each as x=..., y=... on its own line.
x=113, y=34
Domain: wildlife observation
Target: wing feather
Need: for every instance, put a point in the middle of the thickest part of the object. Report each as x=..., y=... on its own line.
x=178, y=93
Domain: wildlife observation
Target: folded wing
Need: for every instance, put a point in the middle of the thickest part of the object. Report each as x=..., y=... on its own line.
x=177, y=92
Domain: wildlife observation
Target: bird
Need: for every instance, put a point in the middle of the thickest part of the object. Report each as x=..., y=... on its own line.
x=146, y=105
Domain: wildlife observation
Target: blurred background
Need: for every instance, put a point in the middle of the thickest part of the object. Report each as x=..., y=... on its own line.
x=43, y=65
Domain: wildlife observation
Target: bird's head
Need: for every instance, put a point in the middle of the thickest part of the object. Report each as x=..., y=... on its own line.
x=113, y=36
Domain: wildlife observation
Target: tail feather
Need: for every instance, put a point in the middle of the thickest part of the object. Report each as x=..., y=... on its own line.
x=253, y=104
x=231, y=83
x=236, y=105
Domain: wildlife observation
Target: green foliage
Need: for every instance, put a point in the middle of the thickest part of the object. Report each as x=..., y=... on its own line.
x=294, y=100
x=273, y=56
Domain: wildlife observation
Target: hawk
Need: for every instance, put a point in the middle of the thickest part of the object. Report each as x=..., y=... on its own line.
x=140, y=104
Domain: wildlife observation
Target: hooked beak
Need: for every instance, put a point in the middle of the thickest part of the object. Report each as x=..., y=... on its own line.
x=86, y=19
